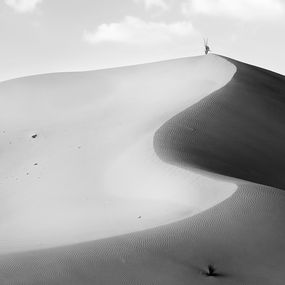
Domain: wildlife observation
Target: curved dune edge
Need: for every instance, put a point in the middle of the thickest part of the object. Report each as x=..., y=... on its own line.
x=239, y=129
x=242, y=237
x=91, y=171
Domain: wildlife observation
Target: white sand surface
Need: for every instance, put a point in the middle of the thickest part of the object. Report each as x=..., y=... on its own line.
x=92, y=172
x=236, y=131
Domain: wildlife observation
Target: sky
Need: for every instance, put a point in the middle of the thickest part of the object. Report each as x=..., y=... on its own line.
x=44, y=36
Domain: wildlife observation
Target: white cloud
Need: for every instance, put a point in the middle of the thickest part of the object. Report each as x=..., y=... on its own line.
x=242, y=9
x=136, y=31
x=154, y=3
x=23, y=6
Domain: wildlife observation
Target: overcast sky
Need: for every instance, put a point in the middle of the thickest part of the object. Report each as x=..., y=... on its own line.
x=42, y=36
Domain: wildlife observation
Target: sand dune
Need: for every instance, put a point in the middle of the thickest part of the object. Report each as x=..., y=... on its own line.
x=91, y=171
x=235, y=133
x=240, y=129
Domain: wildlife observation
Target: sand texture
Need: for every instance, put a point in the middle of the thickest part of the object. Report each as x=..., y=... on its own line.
x=163, y=146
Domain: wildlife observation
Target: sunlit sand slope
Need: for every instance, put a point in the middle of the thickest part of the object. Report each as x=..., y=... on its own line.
x=77, y=157
x=241, y=238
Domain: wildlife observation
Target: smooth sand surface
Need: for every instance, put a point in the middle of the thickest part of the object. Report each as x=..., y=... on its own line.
x=90, y=171
x=240, y=129
x=236, y=131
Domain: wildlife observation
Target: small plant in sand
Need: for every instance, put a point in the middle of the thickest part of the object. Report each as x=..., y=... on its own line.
x=211, y=271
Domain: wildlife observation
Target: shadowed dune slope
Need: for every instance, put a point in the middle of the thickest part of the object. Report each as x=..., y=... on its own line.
x=241, y=239
x=239, y=130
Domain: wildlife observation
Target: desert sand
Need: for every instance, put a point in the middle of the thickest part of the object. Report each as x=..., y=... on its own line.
x=163, y=147
x=91, y=171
